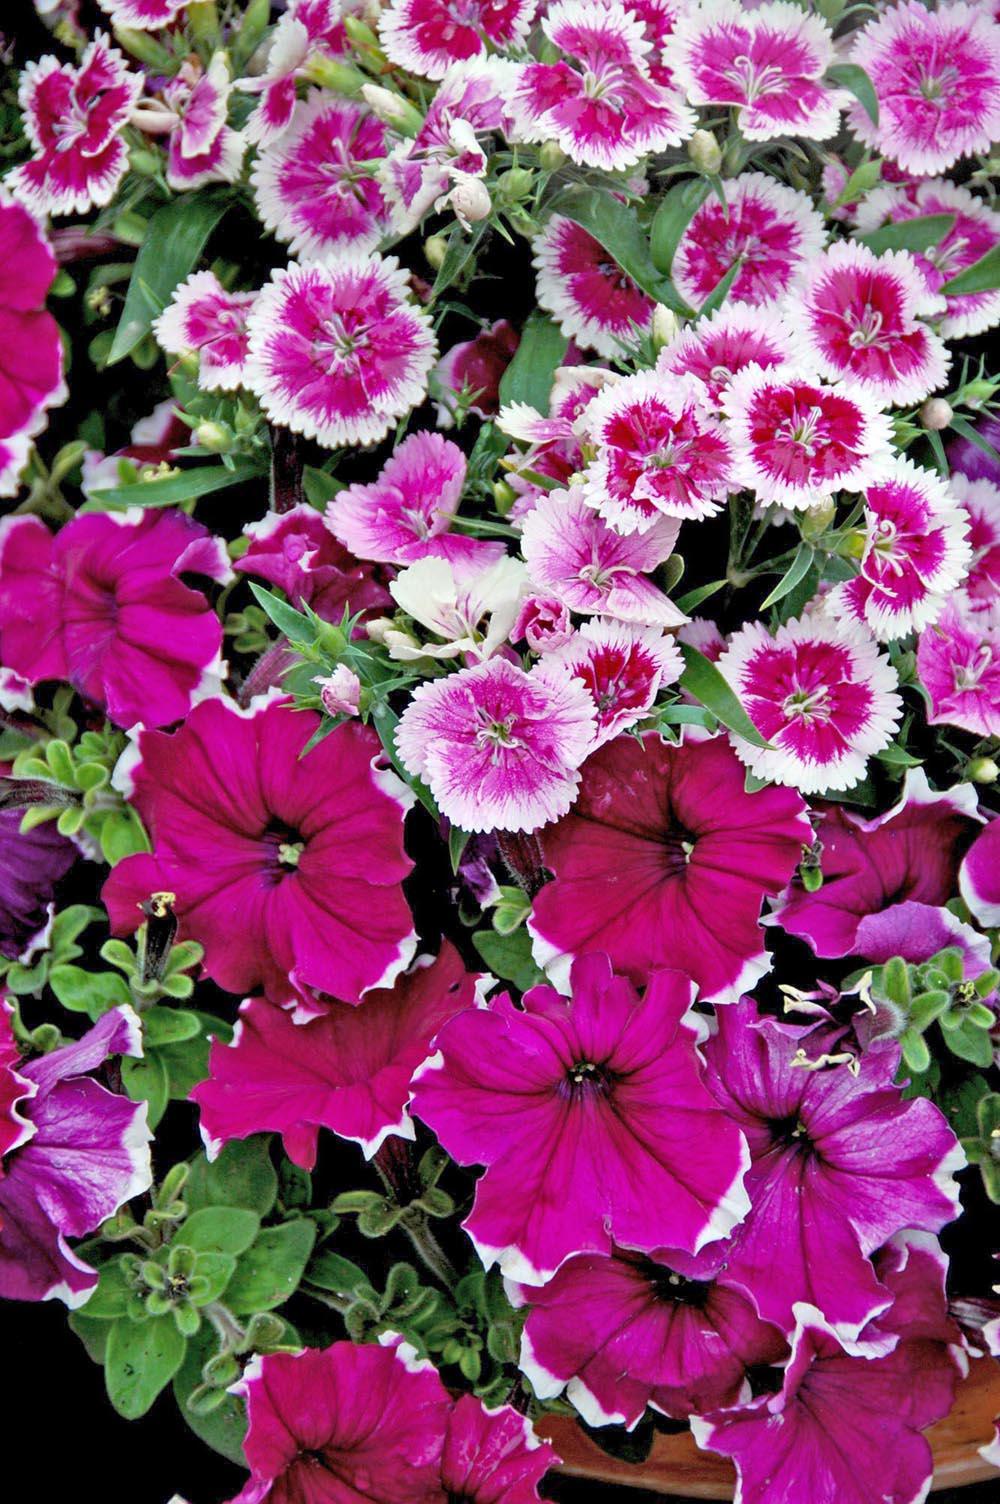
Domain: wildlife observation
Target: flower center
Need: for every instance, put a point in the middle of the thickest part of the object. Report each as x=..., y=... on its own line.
x=496, y=735
x=867, y=330
x=678, y=848
x=674, y=1288
x=968, y=675
x=808, y=704
x=589, y=1078
x=283, y=848
x=802, y=429
x=754, y=79
x=934, y=86
x=339, y=344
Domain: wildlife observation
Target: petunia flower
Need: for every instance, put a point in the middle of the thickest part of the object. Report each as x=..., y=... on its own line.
x=916, y=554
x=592, y=300
x=858, y=318
x=979, y=880
x=73, y=117
x=405, y=513
x=286, y=868
x=770, y=230
x=885, y=875
x=623, y=667
x=735, y=336
x=660, y=452
x=979, y=499
x=624, y=1331
x=471, y=604
x=820, y=693
x=338, y=353
x=937, y=77
x=78, y=1152
x=796, y=441
x=499, y=748
x=665, y=861
x=767, y=62
x=958, y=661
x=143, y=15
x=599, y=102
x=975, y=231
x=491, y=1456
x=349, y=1069
x=32, y=862
x=102, y=604
x=191, y=111
x=840, y=1164
x=314, y=187
x=635, y=1152
x=205, y=319
x=846, y=1426
x=31, y=353
x=296, y=552
x=306, y=29
x=472, y=369
x=427, y=37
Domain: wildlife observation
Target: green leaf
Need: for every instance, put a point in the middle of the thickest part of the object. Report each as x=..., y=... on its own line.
x=702, y=680
x=849, y=76
x=122, y=835
x=458, y=254
x=216, y=1269
x=861, y=181
x=225, y=1427
x=145, y=1080
x=970, y=1043
x=530, y=374
x=458, y=839
x=329, y=1271
x=982, y=276
x=187, y=486
x=799, y=566
x=694, y=598
x=175, y=238
x=93, y=1333
x=271, y=1270
x=319, y=488
x=111, y=1298
x=617, y=228
x=509, y=957
x=385, y=721
x=90, y=992
x=909, y=234
x=169, y=1025
x=141, y=1359
x=220, y=1229
x=672, y=218
x=242, y=1175
x=294, y=625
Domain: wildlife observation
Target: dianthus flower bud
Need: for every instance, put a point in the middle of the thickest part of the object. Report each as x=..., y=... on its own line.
x=705, y=152
x=936, y=414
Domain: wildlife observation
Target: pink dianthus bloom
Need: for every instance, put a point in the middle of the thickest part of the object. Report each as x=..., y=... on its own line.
x=192, y=108
x=205, y=319
x=338, y=353
x=286, y=868
x=473, y=368
x=958, y=660
x=858, y=316
x=314, y=187
x=307, y=28
x=103, y=605
x=635, y=1151
x=767, y=62
x=405, y=513
x=769, y=230
x=979, y=499
x=31, y=353
x=143, y=15
x=665, y=861
x=429, y=36
x=593, y=301
x=735, y=336
x=937, y=77
x=73, y=117
x=599, y=102
x=623, y=668
x=980, y=883
x=499, y=748
x=916, y=554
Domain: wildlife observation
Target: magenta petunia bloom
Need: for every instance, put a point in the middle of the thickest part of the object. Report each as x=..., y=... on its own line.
x=32, y=862
x=623, y=668
x=349, y=1070
x=31, y=354
x=885, y=875
x=845, y=1428
x=840, y=1164
x=665, y=861
x=937, y=77
x=310, y=186
x=474, y=367
x=735, y=336
x=77, y=1153
x=491, y=1456
x=979, y=499
x=622, y=1332
x=102, y=604
x=572, y=552
x=635, y=1151
x=405, y=513
x=287, y=869
x=660, y=452
x=592, y=300
x=338, y=353
x=979, y=878
x=600, y=101
x=958, y=660
x=797, y=441
x=204, y=318
x=820, y=693
x=499, y=748
x=916, y=553
x=767, y=62
x=429, y=36
x=73, y=117
x=296, y=552
x=859, y=315
x=773, y=232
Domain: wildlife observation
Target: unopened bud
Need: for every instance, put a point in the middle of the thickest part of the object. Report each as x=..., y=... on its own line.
x=215, y=437
x=143, y=161
x=665, y=326
x=341, y=78
x=705, y=152
x=852, y=545
x=435, y=250
x=392, y=109
x=504, y=496
x=516, y=183
x=379, y=627
x=982, y=770
x=818, y=518
x=936, y=414
x=975, y=393
x=470, y=199
x=551, y=156
x=359, y=32
x=340, y=691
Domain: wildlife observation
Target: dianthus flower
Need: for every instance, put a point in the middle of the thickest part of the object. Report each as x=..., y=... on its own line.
x=611, y=1085
x=623, y=667
x=469, y=603
x=979, y=499
x=429, y=36
x=958, y=660
x=592, y=300
x=143, y=15
x=338, y=353
x=191, y=110
x=665, y=861
x=205, y=319
x=820, y=693
x=31, y=354
x=734, y=337
x=307, y=28
x=405, y=513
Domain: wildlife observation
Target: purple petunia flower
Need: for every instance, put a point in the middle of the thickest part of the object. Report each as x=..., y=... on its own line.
x=296, y=552
x=32, y=862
